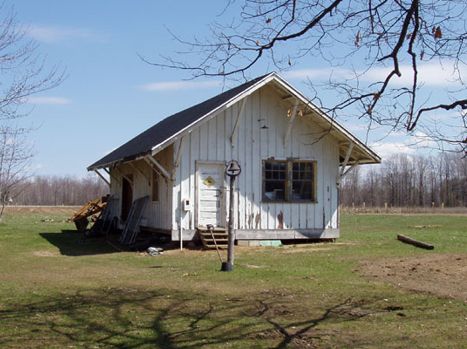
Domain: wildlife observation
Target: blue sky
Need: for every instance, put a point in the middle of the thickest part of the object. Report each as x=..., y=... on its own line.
x=110, y=95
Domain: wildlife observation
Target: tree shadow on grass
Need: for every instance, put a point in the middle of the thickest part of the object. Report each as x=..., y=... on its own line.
x=134, y=318
x=73, y=243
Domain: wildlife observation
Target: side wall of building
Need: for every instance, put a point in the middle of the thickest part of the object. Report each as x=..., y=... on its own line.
x=260, y=136
x=158, y=213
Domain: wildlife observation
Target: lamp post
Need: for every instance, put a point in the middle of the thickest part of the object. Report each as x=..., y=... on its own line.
x=232, y=170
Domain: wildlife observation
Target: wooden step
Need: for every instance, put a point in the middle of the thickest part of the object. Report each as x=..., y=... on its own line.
x=215, y=232
x=218, y=236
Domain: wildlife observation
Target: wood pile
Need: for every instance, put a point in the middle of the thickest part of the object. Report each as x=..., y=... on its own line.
x=91, y=209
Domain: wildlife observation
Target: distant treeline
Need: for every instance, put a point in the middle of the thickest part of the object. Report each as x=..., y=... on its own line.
x=400, y=181
x=54, y=190
x=409, y=180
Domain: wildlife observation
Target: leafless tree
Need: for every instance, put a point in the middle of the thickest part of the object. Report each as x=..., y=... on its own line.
x=409, y=181
x=60, y=190
x=383, y=45
x=15, y=154
x=22, y=74
x=22, y=69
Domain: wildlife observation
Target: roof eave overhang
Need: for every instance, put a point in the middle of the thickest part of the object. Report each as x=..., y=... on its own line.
x=158, y=147
x=248, y=91
x=117, y=162
x=371, y=157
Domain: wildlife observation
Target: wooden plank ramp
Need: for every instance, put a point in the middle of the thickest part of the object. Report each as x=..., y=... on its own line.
x=210, y=238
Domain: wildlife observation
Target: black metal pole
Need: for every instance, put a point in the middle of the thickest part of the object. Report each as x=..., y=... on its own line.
x=230, y=245
x=232, y=170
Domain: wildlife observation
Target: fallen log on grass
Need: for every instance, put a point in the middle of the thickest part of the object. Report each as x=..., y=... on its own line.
x=414, y=242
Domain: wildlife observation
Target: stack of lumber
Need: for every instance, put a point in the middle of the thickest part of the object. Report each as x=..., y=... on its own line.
x=90, y=209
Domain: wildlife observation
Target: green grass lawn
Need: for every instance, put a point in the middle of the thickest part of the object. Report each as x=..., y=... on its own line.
x=57, y=291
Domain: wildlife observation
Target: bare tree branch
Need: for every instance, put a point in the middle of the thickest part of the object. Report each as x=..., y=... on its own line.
x=23, y=73
x=398, y=36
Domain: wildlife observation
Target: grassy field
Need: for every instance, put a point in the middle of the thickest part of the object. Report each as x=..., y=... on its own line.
x=58, y=291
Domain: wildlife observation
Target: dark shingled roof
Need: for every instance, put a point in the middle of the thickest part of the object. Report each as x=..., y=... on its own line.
x=143, y=143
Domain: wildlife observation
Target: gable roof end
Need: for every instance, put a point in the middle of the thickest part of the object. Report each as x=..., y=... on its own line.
x=144, y=143
x=164, y=132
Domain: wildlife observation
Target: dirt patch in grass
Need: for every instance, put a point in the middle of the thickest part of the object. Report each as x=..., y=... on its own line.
x=428, y=226
x=45, y=254
x=314, y=247
x=65, y=210
x=444, y=275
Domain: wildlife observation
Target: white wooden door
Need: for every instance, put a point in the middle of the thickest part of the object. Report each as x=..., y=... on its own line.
x=210, y=187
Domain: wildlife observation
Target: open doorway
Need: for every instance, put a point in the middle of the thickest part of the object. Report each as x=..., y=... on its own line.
x=127, y=197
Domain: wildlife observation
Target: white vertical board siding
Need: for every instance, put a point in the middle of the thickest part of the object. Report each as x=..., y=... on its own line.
x=157, y=213
x=333, y=174
x=253, y=109
x=115, y=191
x=260, y=135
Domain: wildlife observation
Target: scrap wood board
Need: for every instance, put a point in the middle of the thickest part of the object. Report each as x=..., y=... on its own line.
x=131, y=230
x=90, y=208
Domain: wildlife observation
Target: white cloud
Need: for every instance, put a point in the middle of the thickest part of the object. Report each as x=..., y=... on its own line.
x=430, y=74
x=48, y=100
x=411, y=144
x=391, y=148
x=51, y=34
x=319, y=74
x=180, y=85
x=421, y=139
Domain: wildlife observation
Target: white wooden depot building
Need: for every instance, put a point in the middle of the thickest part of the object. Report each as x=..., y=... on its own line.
x=292, y=157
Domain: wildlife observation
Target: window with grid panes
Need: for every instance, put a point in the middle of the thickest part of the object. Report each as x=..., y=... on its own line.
x=289, y=180
x=275, y=180
x=302, y=181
